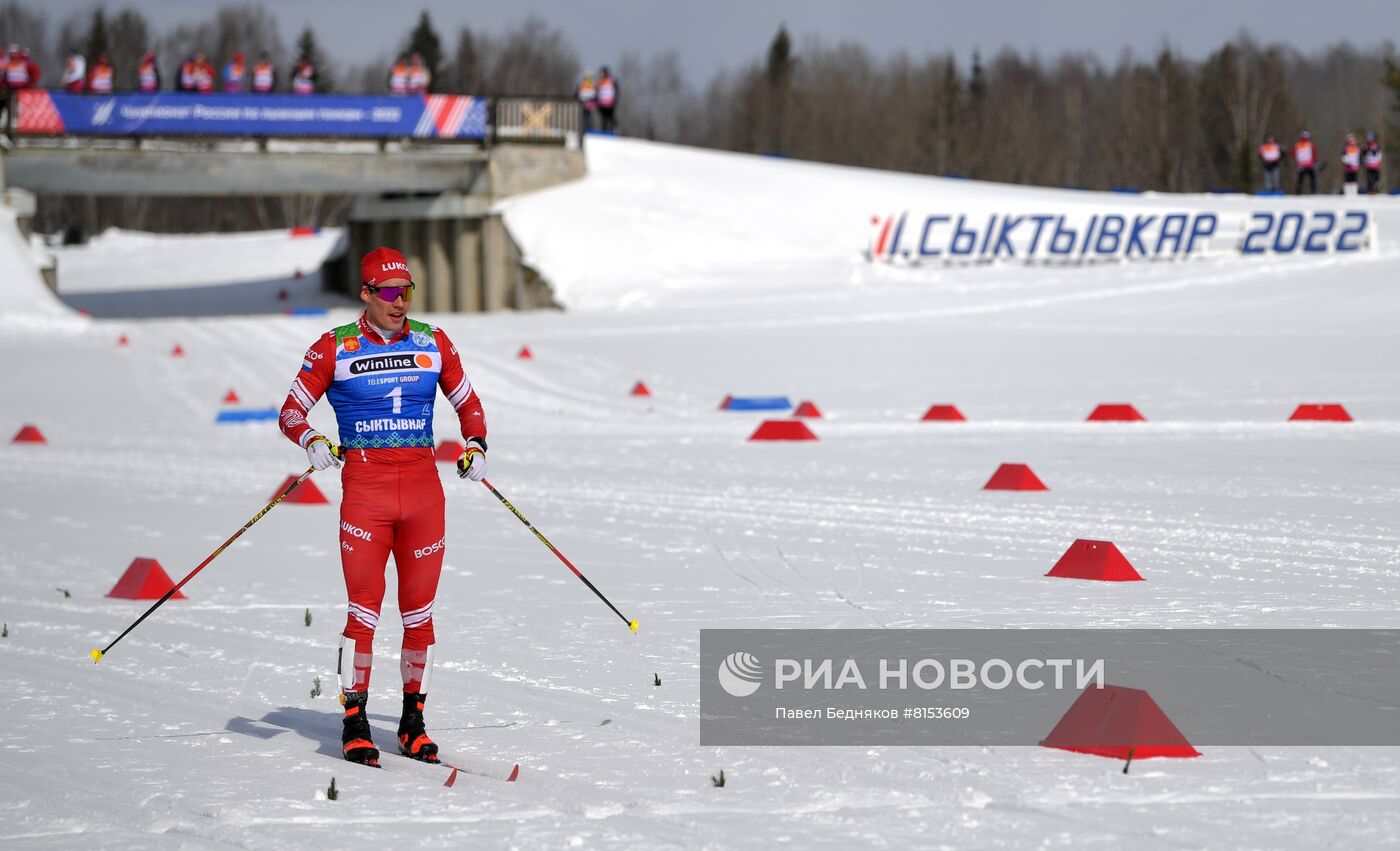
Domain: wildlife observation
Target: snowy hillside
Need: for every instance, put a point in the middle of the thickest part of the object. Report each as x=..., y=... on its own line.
x=704, y=274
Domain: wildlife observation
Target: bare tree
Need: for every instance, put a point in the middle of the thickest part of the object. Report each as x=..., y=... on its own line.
x=21, y=25
x=658, y=100
x=130, y=39
x=534, y=59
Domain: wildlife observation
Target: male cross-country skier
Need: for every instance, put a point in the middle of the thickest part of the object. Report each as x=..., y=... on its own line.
x=381, y=374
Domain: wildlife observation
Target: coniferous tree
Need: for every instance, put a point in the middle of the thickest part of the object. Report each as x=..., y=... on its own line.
x=1391, y=80
x=96, y=42
x=779, y=75
x=130, y=36
x=946, y=117
x=308, y=49
x=469, y=73
x=425, y=42
x=977, y=85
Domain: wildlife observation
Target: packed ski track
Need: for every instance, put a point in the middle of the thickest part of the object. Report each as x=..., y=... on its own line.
x=200, y=729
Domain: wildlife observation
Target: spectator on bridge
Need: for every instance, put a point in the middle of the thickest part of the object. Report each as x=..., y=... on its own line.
x=304, y=79
x=1371, y=158
x=102, y=76
x=185, y=82
x=1271, y=157
x=607, y=100
x=74, y=73
x=264, y=75
x=148, y=73
x=420, y=77
x=588, y=96
x=236, y=75
x=1305, y=159
x=203, y=75
x=1351, y=164
x=21, y=72
x=398, y=76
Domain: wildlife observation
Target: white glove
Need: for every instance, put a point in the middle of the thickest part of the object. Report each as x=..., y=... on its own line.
x=320, y=453
x=472, y=464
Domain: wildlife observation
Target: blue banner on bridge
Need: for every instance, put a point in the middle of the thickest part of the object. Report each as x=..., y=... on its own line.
x=460, y=117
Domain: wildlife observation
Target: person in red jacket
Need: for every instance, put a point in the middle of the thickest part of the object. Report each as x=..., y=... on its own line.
x=398, y=76
x=148, y=73
x=607, y=100
x=21, y=72
x=304, y=78
x=1305, y=158
x=1371, y=158
x=420, y=77
x=1351, y=164
x=264, y=75
x=381, y=374
x=1271, y=158
x=188, y=74
x=101, y=77
x=587, y=94
x=203, y=74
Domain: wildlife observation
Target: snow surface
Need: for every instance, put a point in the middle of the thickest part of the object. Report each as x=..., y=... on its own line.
x=121, y=273
x=198, y=729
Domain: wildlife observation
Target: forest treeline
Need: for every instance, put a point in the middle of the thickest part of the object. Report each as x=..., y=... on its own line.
x=1164, y=122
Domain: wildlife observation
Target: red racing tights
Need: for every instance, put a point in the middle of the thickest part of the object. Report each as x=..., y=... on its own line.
x=391, y=507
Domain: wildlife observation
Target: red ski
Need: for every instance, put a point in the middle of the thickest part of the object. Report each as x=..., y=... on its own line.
x=490, y=773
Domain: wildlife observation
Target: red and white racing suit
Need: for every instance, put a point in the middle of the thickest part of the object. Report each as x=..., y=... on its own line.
x=393, y=501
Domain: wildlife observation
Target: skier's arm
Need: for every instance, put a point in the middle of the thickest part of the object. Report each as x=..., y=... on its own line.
x=312, y=381
x=458, y=390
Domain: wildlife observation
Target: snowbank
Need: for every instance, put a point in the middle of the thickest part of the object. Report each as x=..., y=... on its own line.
x=25, y=301
x=121, y=260
x=654, y=222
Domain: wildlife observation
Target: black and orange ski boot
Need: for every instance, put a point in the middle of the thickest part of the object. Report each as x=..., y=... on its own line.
x=413, y=737
x=359, y=746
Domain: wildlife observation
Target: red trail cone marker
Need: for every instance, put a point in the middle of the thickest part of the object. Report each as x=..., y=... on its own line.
x=449, y=451
x=783, y=430
x=943, y=413
x=306, y=494
x=28, y=434
x=1332, y=413
x=1115, y=413
x=1014, y=477
x=144, y=579
x=1119, y=723
x=1094, y=560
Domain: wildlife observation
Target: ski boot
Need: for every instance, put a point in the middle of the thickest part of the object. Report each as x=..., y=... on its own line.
x=413, y=737
x=355, y=738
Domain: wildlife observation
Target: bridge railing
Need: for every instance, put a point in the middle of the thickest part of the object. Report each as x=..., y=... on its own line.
x=556, y=120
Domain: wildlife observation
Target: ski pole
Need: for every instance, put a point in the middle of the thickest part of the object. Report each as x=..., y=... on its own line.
x=631, y=624
x=98, y=654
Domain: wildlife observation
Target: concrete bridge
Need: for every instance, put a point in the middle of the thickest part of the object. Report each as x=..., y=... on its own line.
x=431, y=200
